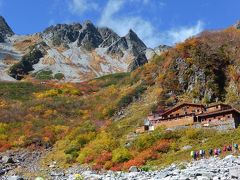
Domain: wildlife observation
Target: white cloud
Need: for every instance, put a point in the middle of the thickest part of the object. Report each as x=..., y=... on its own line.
x=80, y=6
x=121, y=24
x=180, y=34
x=145, y=29
x=111, y=16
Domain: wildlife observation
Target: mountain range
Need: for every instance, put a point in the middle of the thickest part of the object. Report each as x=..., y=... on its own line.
x=94, y=122
x=70, y=52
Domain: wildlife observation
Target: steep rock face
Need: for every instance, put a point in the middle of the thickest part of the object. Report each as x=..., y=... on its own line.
x=108, y=36
x=79, y=52
x=62, y=33
x=89, y=36
x=204, y=68
x=24, y=66
x=5, y=30
x=90, y=51
x=135, y=44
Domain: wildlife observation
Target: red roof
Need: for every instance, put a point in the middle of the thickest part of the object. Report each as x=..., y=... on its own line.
x=180, y=105
x=219, y=112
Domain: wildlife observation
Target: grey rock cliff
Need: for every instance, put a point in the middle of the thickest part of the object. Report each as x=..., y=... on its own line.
x=90, y=37
x=5, y=30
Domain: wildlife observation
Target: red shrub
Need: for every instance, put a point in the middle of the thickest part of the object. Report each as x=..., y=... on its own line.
x=4, y=145
x=134, y=162
x=88, y=159
x=97, y=167
x=162, y=146
x=117, y=167
x=103, y=158
x=141, y=159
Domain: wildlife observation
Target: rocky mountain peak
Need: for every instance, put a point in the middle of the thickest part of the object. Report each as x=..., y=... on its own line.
x=5, y=29
x=89, y=37
x=106, y=32
x=88, y=24
x=62, y=33
x=134, y=41
x=87, y=51
x=108, y=36
x=132, y=36
x=131, y=33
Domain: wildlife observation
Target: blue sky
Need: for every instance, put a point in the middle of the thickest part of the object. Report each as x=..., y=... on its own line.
x=155, y=21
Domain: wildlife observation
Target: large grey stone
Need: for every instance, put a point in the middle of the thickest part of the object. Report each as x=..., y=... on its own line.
x=15, y=178
x=7, y=159
x=133, y=169
x=234, y=172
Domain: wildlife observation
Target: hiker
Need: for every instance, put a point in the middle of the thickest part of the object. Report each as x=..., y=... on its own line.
x=197, y=154
x=229, y=148
x=224, y=148
x=210, y=152
x=219, y=151
x=235, y=148
x=192, y=154
x=215, y=152
x=202, y=153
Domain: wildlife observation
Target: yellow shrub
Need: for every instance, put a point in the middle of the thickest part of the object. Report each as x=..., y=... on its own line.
x=49, y=93
x=37, y=108
x=49, y=113
x=3, y=104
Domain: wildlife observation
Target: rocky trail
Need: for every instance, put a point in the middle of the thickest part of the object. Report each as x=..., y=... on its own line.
x=213, y=168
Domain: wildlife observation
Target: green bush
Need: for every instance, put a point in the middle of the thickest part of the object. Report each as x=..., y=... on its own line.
x=59, y=76
x=192, y=133
x=44, y=75
x=144, y=141
x=121, y=155
x=19, y=91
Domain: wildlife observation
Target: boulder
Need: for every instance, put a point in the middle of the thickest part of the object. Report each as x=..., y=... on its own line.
x=6, y=159
x=234, y=172
x=133, y=169
x=2, y=172
x=203, y=178
x=15, y=178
